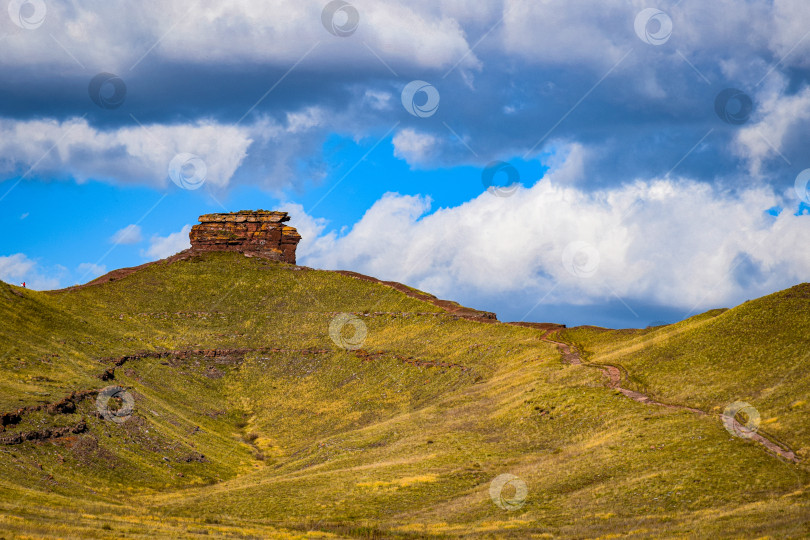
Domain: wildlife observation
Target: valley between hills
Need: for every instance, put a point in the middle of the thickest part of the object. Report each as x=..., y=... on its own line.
x=218, y=395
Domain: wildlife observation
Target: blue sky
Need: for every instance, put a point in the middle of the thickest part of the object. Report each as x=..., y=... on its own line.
x=647, y=186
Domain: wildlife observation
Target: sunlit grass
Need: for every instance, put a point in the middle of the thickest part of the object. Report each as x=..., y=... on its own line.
x=316, y=438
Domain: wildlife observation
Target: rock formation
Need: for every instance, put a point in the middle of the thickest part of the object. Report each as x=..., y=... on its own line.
x=258, y=233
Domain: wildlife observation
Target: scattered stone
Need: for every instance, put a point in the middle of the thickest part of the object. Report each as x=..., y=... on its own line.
x=40, y=435
x=193, y=456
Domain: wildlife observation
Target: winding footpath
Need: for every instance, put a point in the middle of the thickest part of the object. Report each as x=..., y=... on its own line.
x=570, y=354
x=573, y=357
x=614, y=375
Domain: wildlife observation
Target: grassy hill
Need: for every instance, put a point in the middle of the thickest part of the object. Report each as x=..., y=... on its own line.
x=758, y=353
x=249, y=420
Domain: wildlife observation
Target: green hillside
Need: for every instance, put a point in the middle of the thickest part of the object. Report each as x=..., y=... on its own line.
x=758, y=353
x=248, y=419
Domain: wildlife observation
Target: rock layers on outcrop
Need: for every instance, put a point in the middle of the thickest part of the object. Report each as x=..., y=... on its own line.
x=259, y=233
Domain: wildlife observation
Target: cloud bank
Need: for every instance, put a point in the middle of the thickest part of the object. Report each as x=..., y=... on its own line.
x=673, y=242
x=255, y=88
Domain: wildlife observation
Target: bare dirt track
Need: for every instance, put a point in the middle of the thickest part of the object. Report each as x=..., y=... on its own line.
x=569, y=353
x=573, y=357
x=614, y=375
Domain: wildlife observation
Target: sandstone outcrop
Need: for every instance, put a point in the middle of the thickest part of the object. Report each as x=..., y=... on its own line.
x=258, y=233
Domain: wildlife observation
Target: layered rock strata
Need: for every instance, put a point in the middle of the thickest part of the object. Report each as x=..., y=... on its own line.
x=258, y=233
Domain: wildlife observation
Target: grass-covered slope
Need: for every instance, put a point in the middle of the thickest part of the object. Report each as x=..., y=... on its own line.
x=250, y=421
x=758, y=353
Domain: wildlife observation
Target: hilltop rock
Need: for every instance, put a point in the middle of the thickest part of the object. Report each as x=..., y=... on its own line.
x=258, y=233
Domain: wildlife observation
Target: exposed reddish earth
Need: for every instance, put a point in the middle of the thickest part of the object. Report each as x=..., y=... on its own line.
x=67, y=405
x=614, y=375
x=262, y=234
x=452, y=308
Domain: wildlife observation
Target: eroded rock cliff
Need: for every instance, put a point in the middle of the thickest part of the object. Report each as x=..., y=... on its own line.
x=259, y=233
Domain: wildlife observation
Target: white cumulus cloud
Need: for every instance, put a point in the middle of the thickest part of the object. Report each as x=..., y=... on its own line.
x=671, y=242
x=161, y=247
x=127, y=154
x=414, y=147
x=131, y=234
x=778, y=116
x=20, y=268
x=119, y=37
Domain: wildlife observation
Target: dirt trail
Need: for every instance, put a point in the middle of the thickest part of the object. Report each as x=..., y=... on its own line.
x=362, y=354
x=572, y=356
x=453, y=308
x=614, y=375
